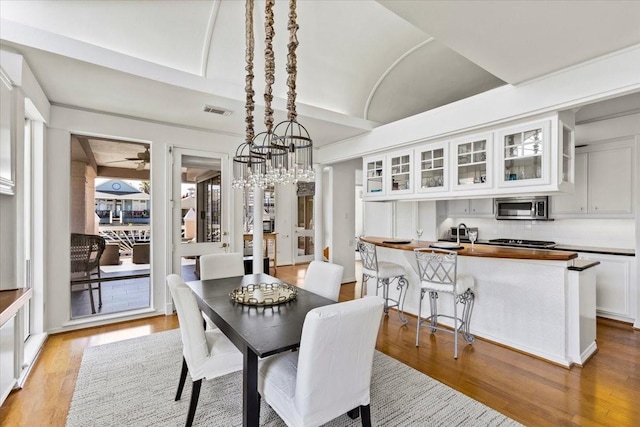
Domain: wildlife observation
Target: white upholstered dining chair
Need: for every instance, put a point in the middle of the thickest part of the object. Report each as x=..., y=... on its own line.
x=330, y=375
x=206, y=354
x=324, y=278
x=438, y=271
x=217, y=266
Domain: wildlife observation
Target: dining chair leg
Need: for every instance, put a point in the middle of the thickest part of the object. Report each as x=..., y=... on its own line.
x=365, y=414
x=183, y=378
x=354, y=413
x=195, y=394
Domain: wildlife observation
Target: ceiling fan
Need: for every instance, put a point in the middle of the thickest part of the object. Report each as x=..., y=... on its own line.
x=144, y=158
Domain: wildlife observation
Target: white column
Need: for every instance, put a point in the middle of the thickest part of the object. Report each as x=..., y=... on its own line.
x=318, y=219
x=258, y=239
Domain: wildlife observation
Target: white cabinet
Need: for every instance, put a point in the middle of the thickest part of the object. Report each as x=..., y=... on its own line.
x=400, y=167
x=615, y=286
x=610, y=182
x=604, y=182
x=576, y=202
x=472, y=164
x=7, y=357
x=473, y=207
x=374, y=176
x=7, y=135
x=524, y=153
x=432, y=168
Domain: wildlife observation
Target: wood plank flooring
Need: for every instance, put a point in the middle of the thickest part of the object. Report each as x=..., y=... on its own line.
x=605, y=392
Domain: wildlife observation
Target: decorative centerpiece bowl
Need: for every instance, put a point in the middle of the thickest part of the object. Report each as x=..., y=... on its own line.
x=264, y=294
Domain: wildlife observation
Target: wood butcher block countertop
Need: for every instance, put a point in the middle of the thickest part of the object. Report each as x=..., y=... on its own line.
x=11, y=300
x=480, y=250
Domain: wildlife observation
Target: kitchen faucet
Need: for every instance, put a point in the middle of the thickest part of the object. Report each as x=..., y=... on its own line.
x=462, y=224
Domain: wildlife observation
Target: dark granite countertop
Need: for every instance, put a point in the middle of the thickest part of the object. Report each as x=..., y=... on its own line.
x=582, y=264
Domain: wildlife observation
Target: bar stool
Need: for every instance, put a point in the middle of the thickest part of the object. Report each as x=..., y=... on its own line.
x=437, y=269
x=384, y=273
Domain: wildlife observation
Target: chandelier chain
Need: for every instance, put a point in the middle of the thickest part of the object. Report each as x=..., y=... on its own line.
x=292, y=66
x=269, y=64
x=250, y=104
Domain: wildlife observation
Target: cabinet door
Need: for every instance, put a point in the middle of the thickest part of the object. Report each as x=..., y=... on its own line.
x=610, y=184
x=576, y=202
x=524, y=155
x=613, y=285
x=399, y=167
x=481, y=206
x=432, y=172
x=471, y=163
x=373, y=176
x=458, y=207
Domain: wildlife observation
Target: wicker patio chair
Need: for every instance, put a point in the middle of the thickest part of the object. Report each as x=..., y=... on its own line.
x=86, y=250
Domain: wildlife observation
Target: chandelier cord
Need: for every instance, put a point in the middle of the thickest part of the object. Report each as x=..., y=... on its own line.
x=269, y=64
x=292, y=66
x=250, y=104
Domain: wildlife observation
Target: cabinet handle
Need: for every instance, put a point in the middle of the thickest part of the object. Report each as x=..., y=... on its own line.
x=595, y=207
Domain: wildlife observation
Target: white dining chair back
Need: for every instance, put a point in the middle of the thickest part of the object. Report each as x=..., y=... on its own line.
x=217, y=266
x=330, y=375
x=206, y=354
x=324, y=278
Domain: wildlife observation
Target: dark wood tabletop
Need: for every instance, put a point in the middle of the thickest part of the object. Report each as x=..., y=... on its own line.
x=255, y=331
x=266, y=330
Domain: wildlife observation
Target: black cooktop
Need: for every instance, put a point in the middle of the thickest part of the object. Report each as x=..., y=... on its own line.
x=522, y=243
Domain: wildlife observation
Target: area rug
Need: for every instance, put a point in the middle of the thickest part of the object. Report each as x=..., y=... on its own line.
x=133, y=383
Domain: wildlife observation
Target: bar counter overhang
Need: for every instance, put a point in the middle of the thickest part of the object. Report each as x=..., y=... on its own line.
x=537, y=301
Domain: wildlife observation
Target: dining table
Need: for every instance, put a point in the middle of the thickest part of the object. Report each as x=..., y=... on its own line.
x=257, y=331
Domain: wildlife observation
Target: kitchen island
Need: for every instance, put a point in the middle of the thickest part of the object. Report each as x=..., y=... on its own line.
x=526, y=299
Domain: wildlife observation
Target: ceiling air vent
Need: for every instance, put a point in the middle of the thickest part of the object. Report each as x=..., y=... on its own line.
x=216, y=110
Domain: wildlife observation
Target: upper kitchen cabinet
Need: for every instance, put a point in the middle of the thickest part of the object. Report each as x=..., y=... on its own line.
x=524, y=155
x=604, y=182
x=471, y=163
x=374, y=176
x=400, y=166
x=7, y=135
x=432, y=168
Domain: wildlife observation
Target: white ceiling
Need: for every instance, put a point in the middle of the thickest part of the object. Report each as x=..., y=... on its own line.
x=360, y=63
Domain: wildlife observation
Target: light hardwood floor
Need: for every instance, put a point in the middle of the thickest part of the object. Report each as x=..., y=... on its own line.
x=536, y=393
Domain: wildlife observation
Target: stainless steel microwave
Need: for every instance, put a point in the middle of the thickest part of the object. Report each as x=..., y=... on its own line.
x=536, y=207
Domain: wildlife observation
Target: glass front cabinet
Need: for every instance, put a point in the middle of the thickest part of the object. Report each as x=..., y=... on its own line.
x=374, y=176
x=471, y=162
x=432, y=168
x=524, y=154
x=400, y=166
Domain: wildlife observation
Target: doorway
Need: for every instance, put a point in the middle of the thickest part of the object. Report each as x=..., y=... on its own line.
x=110, y=224
x=304, y=229
x=201, y=214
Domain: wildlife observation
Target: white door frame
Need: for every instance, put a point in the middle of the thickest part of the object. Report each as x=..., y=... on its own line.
x=179, y=249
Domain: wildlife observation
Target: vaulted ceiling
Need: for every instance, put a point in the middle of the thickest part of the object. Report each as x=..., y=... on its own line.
x=361, y=63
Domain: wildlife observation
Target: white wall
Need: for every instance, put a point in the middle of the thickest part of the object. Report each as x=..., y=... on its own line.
x=65, y=121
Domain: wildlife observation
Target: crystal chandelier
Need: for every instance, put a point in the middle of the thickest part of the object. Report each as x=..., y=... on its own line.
x=267, y=159
x=248, y=167
x=294, y=138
